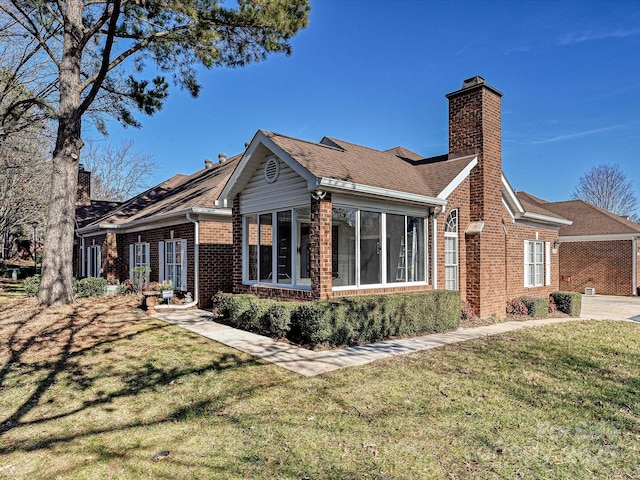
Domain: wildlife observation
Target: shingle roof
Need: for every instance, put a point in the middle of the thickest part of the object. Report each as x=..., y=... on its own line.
x=180, y=192
x=591, y=220
x=396, y=169
x=536, y=205
x=87, y=213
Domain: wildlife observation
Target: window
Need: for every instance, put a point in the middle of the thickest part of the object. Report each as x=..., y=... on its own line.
x=173, y=263
x=94, y=261
x=343, y=241
x=405, y=249
x=277, y=247
x=451, y=251
x=537, y=261
x=377, y=248
x=138, y=259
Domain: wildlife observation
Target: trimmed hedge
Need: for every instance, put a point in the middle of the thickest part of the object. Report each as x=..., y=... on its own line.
x=90, y=287
x=86, y=287
x=537, y=307
x=344, y=321
x=568, y=302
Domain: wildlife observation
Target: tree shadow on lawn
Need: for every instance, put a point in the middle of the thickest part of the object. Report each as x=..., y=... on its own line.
x=44, y=348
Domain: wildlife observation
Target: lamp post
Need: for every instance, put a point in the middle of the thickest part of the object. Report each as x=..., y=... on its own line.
x=34, y=224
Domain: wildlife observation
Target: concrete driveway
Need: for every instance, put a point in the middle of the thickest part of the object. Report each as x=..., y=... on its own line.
x=607, y=307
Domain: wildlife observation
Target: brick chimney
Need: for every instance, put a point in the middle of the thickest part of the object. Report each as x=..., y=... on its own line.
x=475, y=128
x=83, y=196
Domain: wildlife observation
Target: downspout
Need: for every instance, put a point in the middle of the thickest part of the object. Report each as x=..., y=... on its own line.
x=437, y=211
x=634, y=266
x=196, y=271
x=81, y=256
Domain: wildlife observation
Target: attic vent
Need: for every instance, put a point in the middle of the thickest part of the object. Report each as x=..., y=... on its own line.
x=271, y=170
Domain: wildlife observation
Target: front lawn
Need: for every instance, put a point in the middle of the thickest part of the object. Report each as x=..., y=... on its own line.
x=103, y=391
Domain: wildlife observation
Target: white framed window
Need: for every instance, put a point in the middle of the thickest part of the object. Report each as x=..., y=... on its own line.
x=276, y=247
x=138, y=257
x=537, y=263
x=451, y=251
x=371, y=248
x=94, y=261
x=173, y=263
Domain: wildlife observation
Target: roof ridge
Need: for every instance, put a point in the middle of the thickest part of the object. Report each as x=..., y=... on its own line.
x=302, y=140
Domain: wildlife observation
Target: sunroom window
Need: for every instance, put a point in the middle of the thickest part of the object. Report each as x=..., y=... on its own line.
x=277, y=242
x=377, y=248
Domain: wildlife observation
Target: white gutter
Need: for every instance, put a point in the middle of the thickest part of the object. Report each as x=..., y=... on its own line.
x=544, y=219
x=196, y=271
x=150, y=220
x=597, y=238
x=367, y=190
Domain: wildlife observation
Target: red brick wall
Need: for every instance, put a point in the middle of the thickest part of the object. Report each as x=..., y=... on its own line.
x=153, y=237
x=216, y=259
x=606, y=266
x=514, y=259
x=215, y=252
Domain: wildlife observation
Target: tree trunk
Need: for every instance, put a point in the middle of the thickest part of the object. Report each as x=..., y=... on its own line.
x=56, y=287
x=57, y=267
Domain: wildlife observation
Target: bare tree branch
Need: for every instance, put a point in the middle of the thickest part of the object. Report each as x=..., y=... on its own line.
x=607, y=186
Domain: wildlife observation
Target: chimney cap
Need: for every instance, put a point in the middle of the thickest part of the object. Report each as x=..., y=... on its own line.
x=473, y=81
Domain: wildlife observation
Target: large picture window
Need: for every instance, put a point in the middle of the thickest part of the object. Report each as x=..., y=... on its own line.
x=277, y=247
x=377, y=248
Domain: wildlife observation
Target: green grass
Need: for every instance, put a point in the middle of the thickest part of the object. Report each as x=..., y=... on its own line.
x=91, y=392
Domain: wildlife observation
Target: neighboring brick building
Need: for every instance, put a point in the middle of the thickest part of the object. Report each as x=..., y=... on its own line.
x=320, y=220
x=174, y=228
x=599, y=250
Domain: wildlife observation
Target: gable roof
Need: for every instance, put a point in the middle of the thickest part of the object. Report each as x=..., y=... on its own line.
x=175, y=196
x=335, y=165
x=589, y=220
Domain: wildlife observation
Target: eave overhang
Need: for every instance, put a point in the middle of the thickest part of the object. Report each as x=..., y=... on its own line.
x=155, y=220
x=340, y=186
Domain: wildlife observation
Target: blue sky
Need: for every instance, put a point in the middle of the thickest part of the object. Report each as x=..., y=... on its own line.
x=375, y=73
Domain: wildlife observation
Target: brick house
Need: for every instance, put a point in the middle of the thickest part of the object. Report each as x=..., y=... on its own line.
x=598, y=250
x=174, y=228
x=321, y=220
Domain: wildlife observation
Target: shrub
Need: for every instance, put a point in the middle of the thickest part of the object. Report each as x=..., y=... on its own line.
x=124, y=289
x=343, y=321
x=552, y=305
x=31, y=285
x=90, y=287
x=568, y=302
x=311, y=323
x=276, y=320
x=537, y=307
x=517, y=307
x=466, y=311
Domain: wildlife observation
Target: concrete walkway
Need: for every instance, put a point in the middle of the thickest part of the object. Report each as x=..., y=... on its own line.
x=309, y=363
